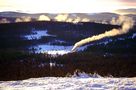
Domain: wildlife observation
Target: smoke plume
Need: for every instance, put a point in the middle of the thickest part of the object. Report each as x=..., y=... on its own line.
x=4, y=20
x=23, y=19
x=61, y=17
x=85, y=20
x=126, y=22
x=26, y=19
x=78, y=19
x=43, y=18
x=69, y=20
x=18, y=20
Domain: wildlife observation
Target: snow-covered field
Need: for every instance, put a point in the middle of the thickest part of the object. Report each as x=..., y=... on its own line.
x=37, y=34
x=83, y=82
x=55, y=49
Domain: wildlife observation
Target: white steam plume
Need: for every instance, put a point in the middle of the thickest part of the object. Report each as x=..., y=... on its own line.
x=18, y=20
x=43, y=18
x=61, y=17
x=126, y=22
x=23, y=19
x=4, y=20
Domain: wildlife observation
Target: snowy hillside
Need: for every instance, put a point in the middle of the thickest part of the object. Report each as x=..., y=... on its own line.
x=70, y=83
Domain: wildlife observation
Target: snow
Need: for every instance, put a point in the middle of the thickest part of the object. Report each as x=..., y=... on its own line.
x=60, y=41
x=82, y=48
x=52, y=49
x=121, y=38
x=70, y=83
x=37, y=34
x=108, y=41
x=134, y=35
x=104, y=42
x=58, y=52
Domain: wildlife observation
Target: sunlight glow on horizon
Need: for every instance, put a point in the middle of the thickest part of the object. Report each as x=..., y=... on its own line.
x=62, y=6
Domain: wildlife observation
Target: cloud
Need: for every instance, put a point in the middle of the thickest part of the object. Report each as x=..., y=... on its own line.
x=43, y=18
x=128, y=2
x=76, y=6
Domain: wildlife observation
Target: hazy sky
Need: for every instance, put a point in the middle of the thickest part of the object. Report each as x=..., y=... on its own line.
x=65, y=6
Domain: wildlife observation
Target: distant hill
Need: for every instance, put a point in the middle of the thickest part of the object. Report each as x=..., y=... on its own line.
x=20, y=14
x=131, y=12
x=93, y=16
x=104, y=18
x=126, y=11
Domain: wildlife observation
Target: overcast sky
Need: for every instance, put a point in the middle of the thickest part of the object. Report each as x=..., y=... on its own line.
x=65, y=6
